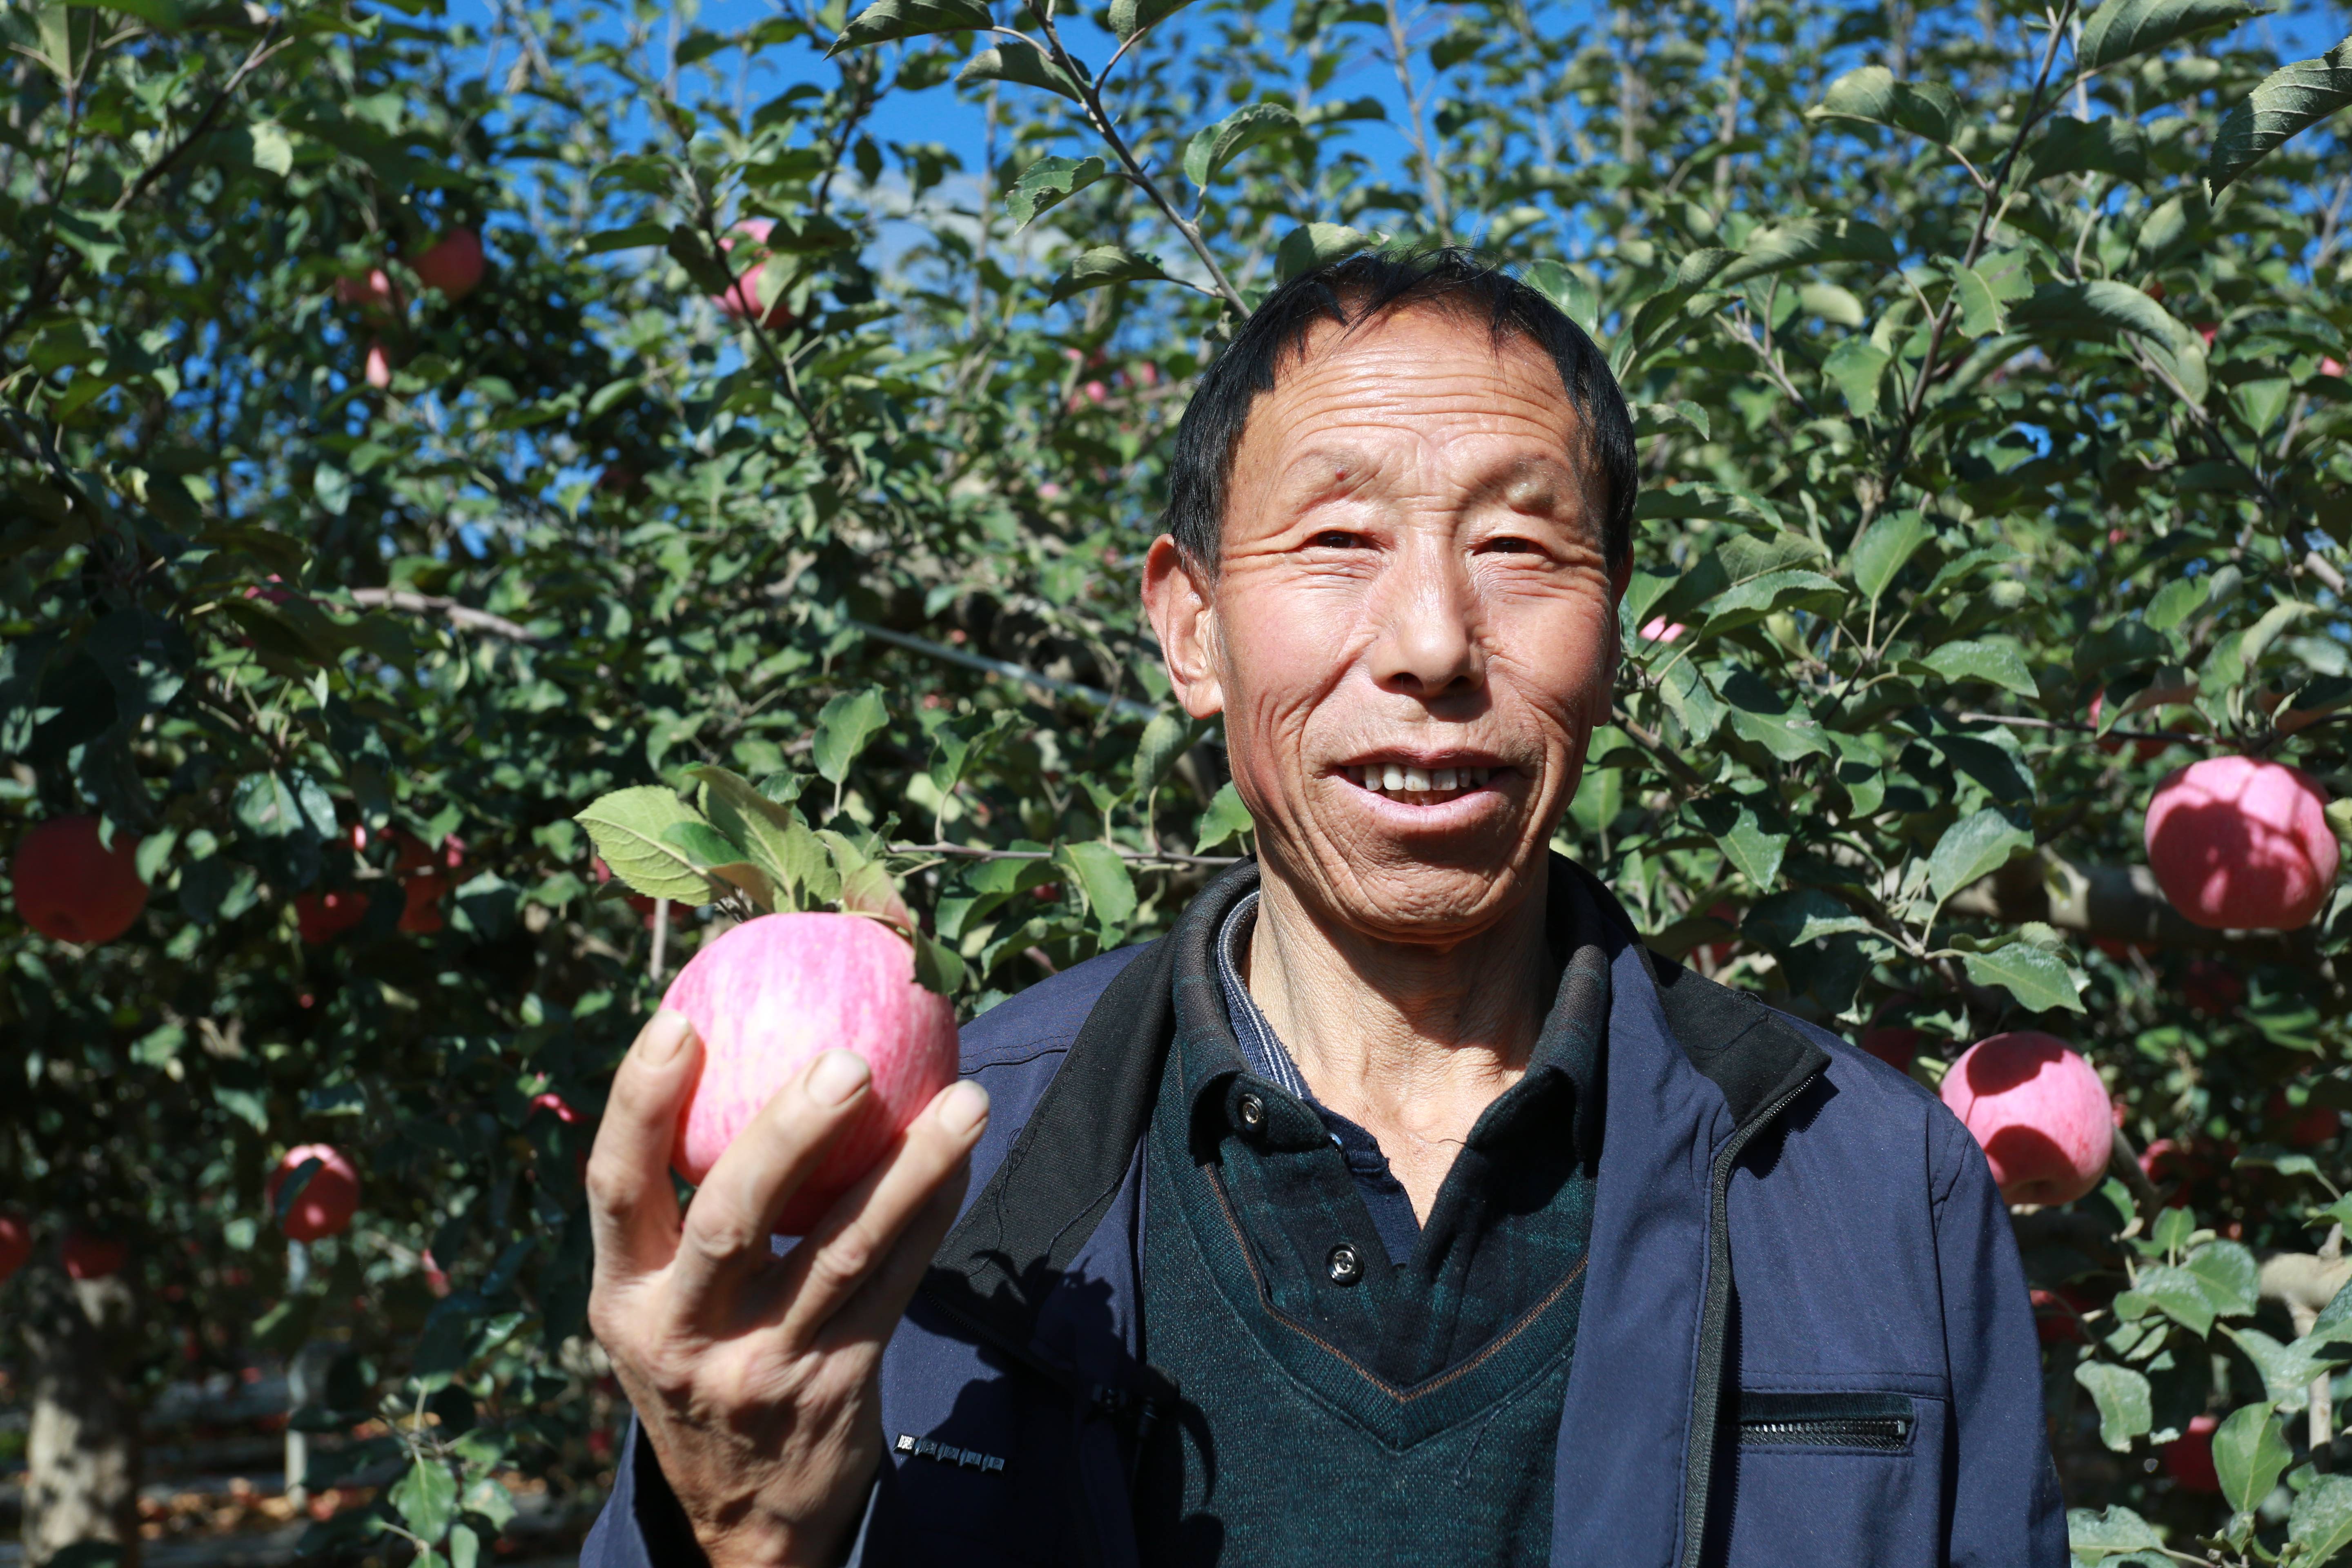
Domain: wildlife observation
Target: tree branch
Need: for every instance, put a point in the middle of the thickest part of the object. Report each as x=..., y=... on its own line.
x=429, y=605
x=2119, y=903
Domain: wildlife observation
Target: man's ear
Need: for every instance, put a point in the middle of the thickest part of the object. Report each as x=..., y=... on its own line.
x=1184, y=619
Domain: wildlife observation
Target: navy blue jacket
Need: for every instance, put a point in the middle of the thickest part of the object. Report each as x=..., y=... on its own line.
x=1805, y=1337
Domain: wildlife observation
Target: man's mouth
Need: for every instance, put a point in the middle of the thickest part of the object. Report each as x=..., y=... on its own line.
x=1411, y=784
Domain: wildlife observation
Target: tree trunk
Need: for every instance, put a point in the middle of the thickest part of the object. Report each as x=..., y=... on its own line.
x=81, y=1481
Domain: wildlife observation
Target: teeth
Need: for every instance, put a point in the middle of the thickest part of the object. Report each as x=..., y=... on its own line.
x=1441, y=779
x=1416, y=779
x=1391, y=777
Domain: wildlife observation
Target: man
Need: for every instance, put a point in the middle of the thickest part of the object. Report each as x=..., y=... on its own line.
x=1399, y=1206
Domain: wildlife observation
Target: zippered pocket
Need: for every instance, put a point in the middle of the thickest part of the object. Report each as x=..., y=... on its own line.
x=1875, y=1423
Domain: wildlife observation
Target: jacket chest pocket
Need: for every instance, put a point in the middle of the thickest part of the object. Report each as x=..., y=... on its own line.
x=1860, y=1422
x=1832, y=1477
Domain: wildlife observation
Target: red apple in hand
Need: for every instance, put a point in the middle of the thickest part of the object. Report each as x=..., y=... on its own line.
x=776, y=991
x=325, y=1203
x=2242, y=845
x=15, y=1242
x=2041, y=1112
x=74, y=888
x=452, y=264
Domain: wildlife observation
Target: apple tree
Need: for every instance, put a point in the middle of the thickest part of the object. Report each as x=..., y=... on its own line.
x=763, y=520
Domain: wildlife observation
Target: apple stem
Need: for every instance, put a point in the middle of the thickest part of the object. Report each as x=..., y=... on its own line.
x=661, y=936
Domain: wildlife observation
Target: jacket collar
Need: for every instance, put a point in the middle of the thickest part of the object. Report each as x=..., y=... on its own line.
x=1073, y=1161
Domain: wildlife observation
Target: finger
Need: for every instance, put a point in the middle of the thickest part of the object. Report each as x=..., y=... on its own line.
x=632, y=1207
x=871, y=1314
x=851, y=1243
x=734, y=1211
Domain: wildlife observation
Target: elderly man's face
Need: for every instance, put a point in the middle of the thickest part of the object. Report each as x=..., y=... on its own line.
x=1412, y=632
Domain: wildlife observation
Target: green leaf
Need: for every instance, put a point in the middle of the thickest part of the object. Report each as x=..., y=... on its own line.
x=887, y=19
x=2175, y=603
x=1973, y=848
x=1884, y=548
x=2290, y=99
x=2249, y=1453
x=1048, y=182
x=2334, y=1320
x=1128, y=17
x=1016, y=60
x=772, y=835
x=1748, y=842
x=2109, y=1535
x=2228, y=1275
x=1105, y=264
x=1314, y=245
x=1103, y=876
x=2320, y=1520
x=1568, y=289
x=2102, y=309
x=938, y=967
x=843, y=729
x=1982, y=311
x=165, y=14
x=1802, y=915
x=1928, y=110
x=2180, y=1295
x=630, y=829
x=426, y=1498
x=2126, y=1410
x=1227, y=818
x=2288, y=1370
x=1805, y=243
x=2109, y=146
x=1165, y=741
x=2119, y=29
x=2038, y=978
x=1996, y=663
x=1214, y=146
x=1855, y=367
x=273, y=149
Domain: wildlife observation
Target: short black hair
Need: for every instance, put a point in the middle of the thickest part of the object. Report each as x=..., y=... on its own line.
x=1361, y=289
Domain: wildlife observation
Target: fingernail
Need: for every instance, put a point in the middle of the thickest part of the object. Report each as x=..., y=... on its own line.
x=837, y=1076
x=666, y=1037
x=963, y=1108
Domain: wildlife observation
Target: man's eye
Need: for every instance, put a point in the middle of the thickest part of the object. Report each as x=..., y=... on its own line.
x=1336, y=539
x=1510, y=546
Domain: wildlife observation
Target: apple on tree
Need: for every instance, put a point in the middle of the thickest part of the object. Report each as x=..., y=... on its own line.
x=325, y=1205
x=2188, y=1459
x=71, y=887
x=15, y=1242
x=2239, y=844
x=89, y=1255
x=321, y=918
x=2039, y=1112
x=453, y=264
x=741, y=298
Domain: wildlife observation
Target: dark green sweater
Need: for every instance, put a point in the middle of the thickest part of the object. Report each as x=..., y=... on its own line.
x=1335, y=1405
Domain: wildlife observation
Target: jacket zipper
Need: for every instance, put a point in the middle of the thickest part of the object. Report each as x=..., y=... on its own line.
x=1707, y=1386
x=1888, y=1433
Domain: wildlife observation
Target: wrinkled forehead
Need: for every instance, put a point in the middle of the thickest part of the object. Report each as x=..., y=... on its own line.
x=1418, y=387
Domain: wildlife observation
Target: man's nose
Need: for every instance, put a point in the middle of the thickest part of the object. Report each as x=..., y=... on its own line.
x=1426, y=644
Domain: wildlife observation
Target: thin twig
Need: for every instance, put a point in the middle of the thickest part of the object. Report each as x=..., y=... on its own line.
x=1133, y=857
x=434, y=604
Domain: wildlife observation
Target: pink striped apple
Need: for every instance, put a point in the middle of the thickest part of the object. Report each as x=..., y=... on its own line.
x=2039, y=1112
x=776, y=991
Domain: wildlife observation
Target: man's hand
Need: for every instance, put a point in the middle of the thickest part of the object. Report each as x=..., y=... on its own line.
x=757, y=1377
